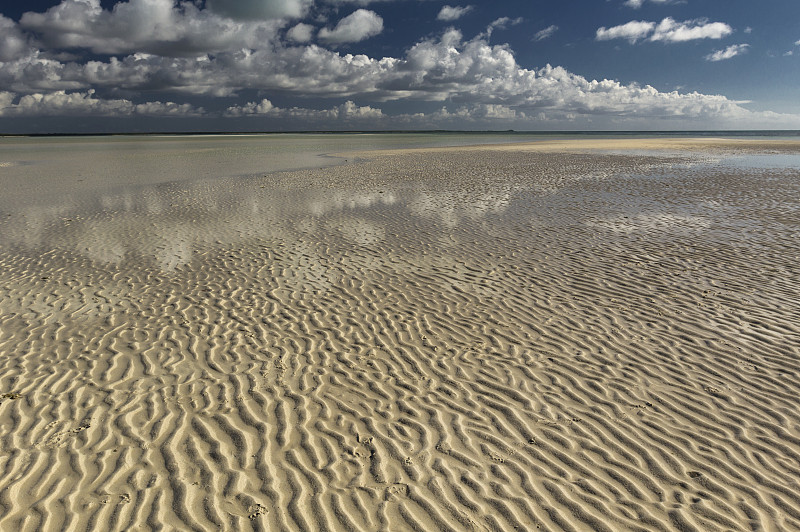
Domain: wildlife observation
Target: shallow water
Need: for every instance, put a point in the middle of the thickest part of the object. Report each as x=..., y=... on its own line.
x=762, y=161
x=158, y=198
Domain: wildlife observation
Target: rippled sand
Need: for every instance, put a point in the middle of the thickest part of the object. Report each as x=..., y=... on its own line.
x=451, y=339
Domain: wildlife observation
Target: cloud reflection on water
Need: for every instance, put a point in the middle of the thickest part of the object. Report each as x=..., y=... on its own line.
x=166, y=224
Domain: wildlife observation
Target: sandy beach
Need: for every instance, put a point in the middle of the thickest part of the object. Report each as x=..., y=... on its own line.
x=589, y=335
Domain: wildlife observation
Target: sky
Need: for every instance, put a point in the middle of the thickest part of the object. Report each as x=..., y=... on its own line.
x=76, y=66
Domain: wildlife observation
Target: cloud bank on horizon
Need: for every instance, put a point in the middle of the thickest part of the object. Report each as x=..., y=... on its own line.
x=352, y=64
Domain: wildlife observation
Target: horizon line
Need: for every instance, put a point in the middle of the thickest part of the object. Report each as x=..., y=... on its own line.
x=791, y=132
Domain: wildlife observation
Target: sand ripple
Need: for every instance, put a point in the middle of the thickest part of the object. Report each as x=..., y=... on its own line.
x=559, y=342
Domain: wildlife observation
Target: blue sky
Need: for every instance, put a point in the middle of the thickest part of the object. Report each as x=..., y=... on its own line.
x=237, y=65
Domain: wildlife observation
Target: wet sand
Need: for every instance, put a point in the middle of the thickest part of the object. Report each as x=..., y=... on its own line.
x=555, y=336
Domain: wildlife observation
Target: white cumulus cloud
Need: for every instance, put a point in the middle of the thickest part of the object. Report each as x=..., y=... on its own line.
x=727, y=53
x=501, y=24
x=448, y=68
x=545, y=33
x=450, y=13
x=357, y=26
x=668, y=30
x=61, y=103
x=632, y=31
x=347, y=111
x=636, y=4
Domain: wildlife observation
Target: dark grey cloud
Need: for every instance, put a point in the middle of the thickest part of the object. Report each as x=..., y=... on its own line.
x=260, y=9
x=150, y=26
x=13, y=42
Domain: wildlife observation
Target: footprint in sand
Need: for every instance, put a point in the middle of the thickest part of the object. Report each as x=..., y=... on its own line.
x=59, y=438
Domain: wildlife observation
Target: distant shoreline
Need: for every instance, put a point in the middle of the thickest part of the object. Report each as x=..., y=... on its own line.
x=648, y=144
x=570, y=133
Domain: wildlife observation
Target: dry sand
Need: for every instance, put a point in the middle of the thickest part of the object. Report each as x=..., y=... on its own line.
x=496, y=338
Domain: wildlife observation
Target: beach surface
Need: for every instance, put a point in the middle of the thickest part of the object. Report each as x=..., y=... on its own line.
x=596, y=335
